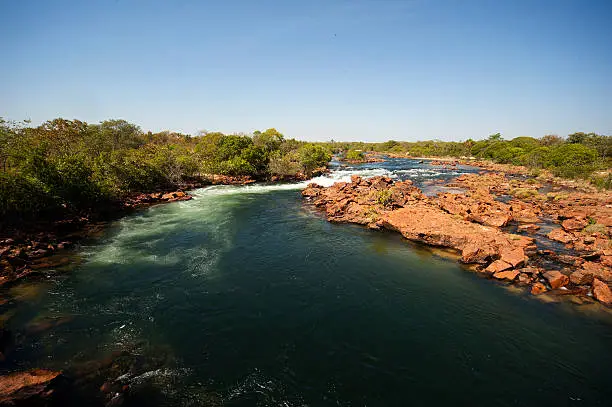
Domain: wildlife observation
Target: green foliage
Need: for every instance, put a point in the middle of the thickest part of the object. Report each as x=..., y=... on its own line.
x=602, y=181
x=354, y=155
x=313, y=156
x=284, y=165
x=572, y=160
x=384, y=197
x=590, y=152
x=21, y=194
x=73, y=165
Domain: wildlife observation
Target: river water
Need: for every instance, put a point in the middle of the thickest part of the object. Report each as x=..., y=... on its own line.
x=254, y=299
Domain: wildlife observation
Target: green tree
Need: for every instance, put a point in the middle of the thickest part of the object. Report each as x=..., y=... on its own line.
x=313, y=156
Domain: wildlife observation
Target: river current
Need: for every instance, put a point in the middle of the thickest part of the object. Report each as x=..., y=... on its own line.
x=254, y=299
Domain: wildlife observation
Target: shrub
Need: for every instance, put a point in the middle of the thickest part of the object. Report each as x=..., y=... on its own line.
x=572, y=160
x=354, y=155
x=384, y=197
x=22, y=196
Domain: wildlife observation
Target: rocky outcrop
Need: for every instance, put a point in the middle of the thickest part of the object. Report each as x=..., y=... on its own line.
x=473, y=223
x=477, y=243
x=156, y=197
x=27, y=388
x=480, y=208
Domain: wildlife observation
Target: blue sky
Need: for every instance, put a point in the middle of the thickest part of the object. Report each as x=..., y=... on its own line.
x=316, y=70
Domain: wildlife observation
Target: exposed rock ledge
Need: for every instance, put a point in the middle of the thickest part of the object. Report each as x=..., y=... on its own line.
x=468, y=223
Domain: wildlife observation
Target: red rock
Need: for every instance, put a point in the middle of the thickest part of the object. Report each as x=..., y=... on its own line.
x=574, y=224
x=581, y=277
x=538, y=288
x=106, y=387
x=478, y=207
x=599, y=270
x=556, y=279
x=513, y=256
x=417, y=217
x=560, y=236
x=430, y=225
x=506, y=275
x=571, y=260
x=602, y=292
x=531, y=228
x=533, y=271
x=524, y=278
x=497, y=266
x=25, y=388
x=602, y=243
x=606, y=260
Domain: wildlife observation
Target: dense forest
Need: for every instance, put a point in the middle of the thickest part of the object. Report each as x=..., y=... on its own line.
x=70, y=165
x=580, y=155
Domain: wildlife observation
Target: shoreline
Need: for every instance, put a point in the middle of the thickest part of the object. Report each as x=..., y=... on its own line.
x=32, y=246
x=446, y=221
x=548, y=237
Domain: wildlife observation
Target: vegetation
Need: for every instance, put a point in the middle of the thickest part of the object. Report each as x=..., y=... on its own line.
x=354, y=155
x=69, y=165
x=384, y=197
x=580, y=155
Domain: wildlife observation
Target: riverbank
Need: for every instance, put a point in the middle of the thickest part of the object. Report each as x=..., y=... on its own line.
x=535, y=232
x=246, y=261
x=29, y=247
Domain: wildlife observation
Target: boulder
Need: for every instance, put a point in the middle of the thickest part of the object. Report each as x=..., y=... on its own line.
x=581, y=277
x=506, y=275
x=498, y=266
x=524, y=278
x=599, y=270
x=538, y=288
x=574, y=224
x=560, y=236
x=556, y=279
x=513, y=256
x=602, y=292
x=533, y=271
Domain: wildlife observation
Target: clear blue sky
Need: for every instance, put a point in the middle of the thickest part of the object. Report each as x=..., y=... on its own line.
x=314, y=69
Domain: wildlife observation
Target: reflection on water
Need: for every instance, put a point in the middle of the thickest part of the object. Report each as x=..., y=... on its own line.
x=245, y=297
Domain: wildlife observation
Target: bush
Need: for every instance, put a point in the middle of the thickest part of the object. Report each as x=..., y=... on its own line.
x=384, y=197
x=572, y=160
x=354, y=155
x=602, y=181
x=313, y=156
x=284, y=165
x=23, y=196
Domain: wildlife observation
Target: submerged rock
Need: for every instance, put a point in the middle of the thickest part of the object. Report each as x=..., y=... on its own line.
x=538, y=288
x=27, y=388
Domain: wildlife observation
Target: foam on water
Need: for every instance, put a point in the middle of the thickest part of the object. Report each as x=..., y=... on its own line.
x=325, y=180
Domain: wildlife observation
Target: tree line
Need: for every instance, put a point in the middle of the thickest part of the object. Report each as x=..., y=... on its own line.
x=579, y=155
x=71, y=165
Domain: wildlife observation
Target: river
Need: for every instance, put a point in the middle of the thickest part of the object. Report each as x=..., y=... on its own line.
x=252, y=298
